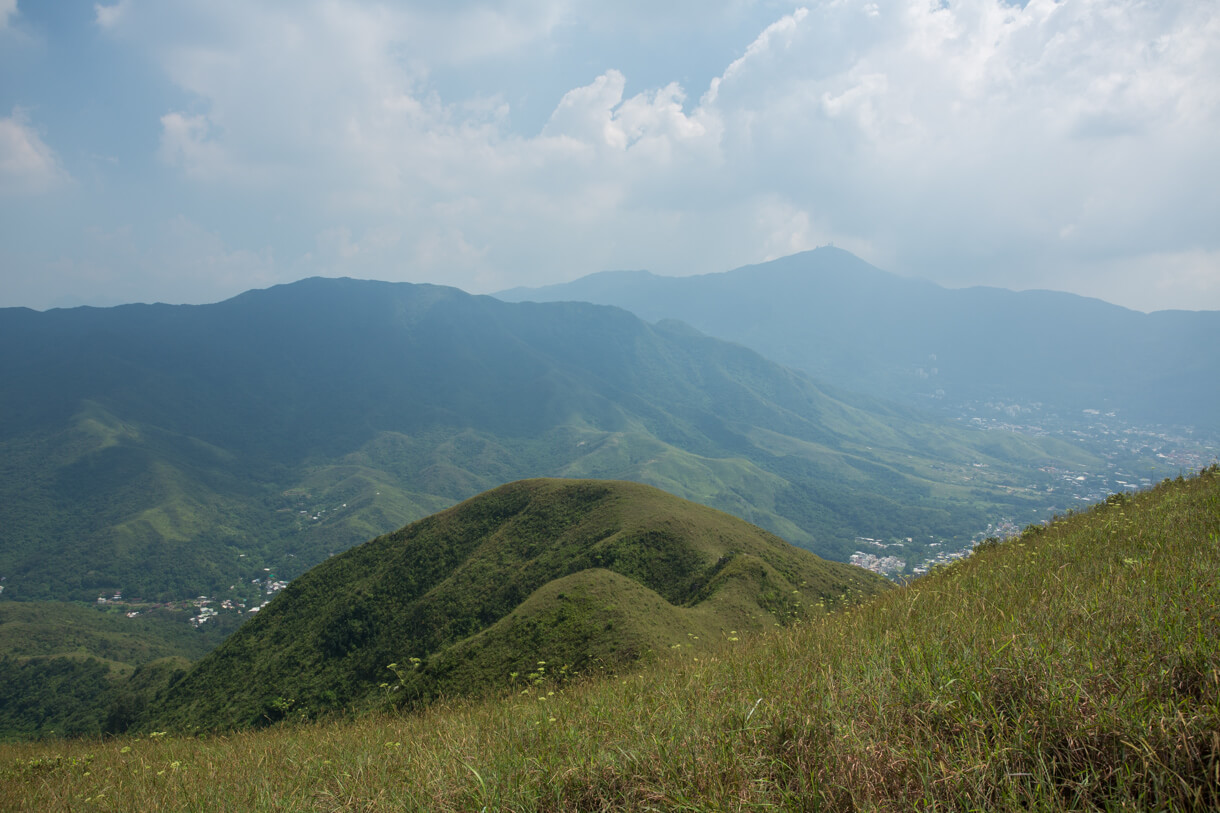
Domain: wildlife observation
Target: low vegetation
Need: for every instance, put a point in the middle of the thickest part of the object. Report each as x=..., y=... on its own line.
x=1073, y=667
x=573, y=574
x=72, y=669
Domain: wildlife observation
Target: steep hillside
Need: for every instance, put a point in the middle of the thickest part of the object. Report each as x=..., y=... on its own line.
x=166, y=452
x=539, y=577
x=1074, y=667
x=836, y=317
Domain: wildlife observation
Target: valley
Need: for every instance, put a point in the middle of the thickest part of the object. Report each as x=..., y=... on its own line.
x=168, y=452
x=1003, y=362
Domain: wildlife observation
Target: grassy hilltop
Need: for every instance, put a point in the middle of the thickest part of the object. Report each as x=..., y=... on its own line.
x=1073, y=667
x=523, y=580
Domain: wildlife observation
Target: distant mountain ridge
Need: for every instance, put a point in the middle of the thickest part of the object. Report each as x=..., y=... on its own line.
x=836, y=317
x=173, y=451
x=550, y=577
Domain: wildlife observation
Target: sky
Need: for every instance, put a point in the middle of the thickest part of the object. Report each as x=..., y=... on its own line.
x=186, y=151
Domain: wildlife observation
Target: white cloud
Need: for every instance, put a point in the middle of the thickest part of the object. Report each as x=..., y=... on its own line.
x=970, y=142
x=8, y=8
x=788, y=230
x=185, y=142
x=782, y=30
x=108, y=17
x=27, y=165
x=586, y=114
x=596, y=115
x=976, y=133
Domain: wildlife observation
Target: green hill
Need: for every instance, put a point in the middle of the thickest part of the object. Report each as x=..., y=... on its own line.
x=529, y=580
x=1074, y=667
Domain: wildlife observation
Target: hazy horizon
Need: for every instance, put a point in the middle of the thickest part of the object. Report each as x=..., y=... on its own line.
x=102, y=303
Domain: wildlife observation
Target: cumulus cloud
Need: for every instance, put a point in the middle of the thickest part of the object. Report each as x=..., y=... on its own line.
x=27, y=165
x=778, y=34
x=586, y=114
x=8, y=8
x=109, y=16
x=597, y=116
x=975, y=133
x=185, y=143
x=977, y=141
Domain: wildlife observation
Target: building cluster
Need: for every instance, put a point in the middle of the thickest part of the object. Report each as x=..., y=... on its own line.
x=203, y=608
x=885, y=565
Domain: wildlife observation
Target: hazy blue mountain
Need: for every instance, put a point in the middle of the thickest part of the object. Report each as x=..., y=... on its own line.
x=171, y=451
x=836, y=317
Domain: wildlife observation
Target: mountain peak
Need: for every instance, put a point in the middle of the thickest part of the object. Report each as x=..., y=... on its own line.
x=841, y=320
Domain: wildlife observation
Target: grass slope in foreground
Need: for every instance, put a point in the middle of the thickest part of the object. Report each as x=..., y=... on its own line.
x=525, y=579
x=1074, y=667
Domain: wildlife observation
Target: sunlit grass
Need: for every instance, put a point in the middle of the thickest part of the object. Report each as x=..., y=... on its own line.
x=1075, y=667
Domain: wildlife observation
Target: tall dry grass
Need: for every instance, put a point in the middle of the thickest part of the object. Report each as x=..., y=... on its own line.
x=1075, y=667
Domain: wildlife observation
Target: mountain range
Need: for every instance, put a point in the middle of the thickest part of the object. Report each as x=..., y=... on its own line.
x=159, y=452
x=845, y=322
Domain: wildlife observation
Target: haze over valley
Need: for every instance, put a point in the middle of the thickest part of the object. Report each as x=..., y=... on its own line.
x=166, y=452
